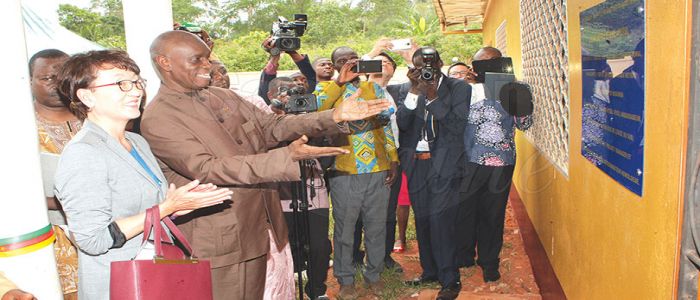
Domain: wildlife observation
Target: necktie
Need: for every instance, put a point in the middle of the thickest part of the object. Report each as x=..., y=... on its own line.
x=430, y=127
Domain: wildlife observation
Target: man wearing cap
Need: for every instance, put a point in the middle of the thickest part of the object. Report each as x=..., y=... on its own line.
x=490, y=160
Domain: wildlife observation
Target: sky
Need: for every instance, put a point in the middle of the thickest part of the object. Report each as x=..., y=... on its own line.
x=78, y=3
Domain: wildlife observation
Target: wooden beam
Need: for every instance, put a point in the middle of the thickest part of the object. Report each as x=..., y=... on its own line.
x=470, y=31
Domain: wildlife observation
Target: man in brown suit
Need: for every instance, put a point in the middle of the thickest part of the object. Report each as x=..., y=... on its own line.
x=212, y=134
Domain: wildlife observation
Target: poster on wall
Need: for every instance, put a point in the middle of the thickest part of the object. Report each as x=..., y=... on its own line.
x=612, y=63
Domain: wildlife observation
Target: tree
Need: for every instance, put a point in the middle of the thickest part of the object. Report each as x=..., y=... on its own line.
x=192, y=10
x=378, y=15
x=106, y=30
x=239, y=26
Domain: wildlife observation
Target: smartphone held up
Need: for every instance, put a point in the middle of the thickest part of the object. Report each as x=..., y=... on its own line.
x=400, y=44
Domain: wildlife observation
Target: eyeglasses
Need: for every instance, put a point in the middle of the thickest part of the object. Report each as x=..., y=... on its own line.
x=126, y=85
x=462, y=73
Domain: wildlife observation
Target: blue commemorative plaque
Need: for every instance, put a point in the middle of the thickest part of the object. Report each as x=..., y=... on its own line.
x=612, y=63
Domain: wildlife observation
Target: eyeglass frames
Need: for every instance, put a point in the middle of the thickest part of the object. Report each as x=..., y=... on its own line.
x=126, y=85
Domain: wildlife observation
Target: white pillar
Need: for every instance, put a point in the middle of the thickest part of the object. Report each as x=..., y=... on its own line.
x=143, y=21
x=23, y=208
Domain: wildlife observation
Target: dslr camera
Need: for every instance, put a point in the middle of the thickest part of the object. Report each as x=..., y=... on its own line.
x=429, y=69
x=298, y=102
x=285, y=34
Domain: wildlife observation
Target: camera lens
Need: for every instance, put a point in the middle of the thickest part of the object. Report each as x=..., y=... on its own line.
x=426, y=75
x=300, y=102
x=287, y=43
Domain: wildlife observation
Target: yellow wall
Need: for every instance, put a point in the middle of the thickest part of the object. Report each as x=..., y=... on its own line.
x=604, y=241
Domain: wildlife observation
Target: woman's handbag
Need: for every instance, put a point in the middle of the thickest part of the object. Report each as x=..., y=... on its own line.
x=169, y=275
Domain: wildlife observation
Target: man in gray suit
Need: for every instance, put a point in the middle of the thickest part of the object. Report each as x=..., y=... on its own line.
x=212, y=134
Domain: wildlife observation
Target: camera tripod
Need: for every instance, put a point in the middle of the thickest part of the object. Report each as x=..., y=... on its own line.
x=300, y=217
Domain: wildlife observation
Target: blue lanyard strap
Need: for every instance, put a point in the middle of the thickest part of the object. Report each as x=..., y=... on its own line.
x=143, y=164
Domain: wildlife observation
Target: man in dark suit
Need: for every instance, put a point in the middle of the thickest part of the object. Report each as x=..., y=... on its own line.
x=431, y=120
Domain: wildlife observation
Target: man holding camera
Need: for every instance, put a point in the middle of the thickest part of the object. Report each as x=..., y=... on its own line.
x=388, y=67
x=316, y=238
x=431, y=120
x=490, y=161
x=306, y=77
x=359, y=180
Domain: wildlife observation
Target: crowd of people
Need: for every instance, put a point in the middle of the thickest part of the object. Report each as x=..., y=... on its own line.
x=222, y=164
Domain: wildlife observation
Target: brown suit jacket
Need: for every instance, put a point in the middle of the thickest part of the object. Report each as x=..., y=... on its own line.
x=217, y=137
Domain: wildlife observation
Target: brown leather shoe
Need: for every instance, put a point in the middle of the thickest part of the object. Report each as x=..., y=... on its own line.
x=376, y=288
x=348, y=292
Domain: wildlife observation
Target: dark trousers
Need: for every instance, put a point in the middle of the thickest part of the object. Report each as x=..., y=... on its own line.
x=482, y=212
x=359, y=256
x=435, y=201
x=319, y=250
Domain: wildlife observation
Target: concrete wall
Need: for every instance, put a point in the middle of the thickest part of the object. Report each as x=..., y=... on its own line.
x=604, y=241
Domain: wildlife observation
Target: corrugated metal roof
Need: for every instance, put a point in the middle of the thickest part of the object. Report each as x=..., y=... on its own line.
x=460, y=12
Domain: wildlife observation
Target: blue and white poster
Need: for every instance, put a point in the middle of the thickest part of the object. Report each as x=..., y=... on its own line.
x=612, y=63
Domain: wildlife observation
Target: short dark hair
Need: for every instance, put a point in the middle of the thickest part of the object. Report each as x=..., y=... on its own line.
x=276, y=83
x=339, y=49
x=46, y=53
x=393, y=63
x=421, y=49
x=316, y=61
x=456, y=64
x=487, y=49
x=80, y=71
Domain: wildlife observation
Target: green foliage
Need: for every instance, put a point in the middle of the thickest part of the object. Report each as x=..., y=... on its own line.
x=104, y=29
x=240, y=26
x=185, y=11
x=243, y=53
x=462, y=46
x=331, y=22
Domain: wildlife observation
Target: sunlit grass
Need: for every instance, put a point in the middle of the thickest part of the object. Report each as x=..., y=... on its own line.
x=394, y=287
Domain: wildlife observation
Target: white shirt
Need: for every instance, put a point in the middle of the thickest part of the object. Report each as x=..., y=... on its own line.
x=478, y=93
x=392, y=119
x=411, y=102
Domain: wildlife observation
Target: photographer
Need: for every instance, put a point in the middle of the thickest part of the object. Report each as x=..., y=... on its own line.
x=391, y=93
x=431, y=120
x=490, y=161
x=270, y=71
x=359, y=180
x=317, y=236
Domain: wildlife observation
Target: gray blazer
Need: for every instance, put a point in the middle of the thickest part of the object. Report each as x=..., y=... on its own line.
x=97, y=181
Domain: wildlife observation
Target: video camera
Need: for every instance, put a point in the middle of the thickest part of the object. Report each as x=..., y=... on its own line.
x=285, y=34
x=430, y=60
x=298, y=102
x=499, y=83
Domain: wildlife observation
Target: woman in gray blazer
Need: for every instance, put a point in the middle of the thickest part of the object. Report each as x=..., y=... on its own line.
x=107, y=177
